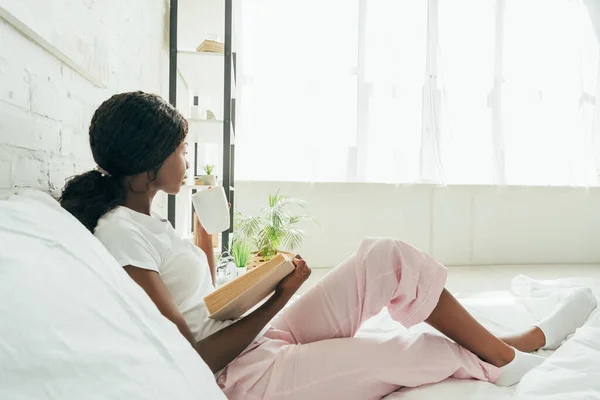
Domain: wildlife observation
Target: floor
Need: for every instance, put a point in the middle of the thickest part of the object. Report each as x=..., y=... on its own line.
x=465, y=280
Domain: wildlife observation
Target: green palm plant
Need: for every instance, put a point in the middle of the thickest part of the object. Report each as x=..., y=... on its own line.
x=275, y=227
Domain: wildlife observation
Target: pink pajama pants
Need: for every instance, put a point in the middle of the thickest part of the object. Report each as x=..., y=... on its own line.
x=310, y=352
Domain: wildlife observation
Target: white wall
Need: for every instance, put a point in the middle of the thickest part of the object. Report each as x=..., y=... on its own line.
x=45, y=106
x=459, y=225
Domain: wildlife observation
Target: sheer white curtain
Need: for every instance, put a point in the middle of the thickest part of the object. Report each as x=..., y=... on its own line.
x=550, y=71
x=395, y=72
x=297, y=88
x=444, y=91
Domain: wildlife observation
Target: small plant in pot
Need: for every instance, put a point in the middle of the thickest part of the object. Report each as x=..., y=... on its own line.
x=208, y=179
x=241, y=251
x=275, y=229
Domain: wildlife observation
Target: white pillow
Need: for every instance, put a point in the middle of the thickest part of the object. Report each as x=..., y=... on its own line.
x=74, y=325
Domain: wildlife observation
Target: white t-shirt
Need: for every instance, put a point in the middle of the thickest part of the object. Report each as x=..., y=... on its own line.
x=150, y=242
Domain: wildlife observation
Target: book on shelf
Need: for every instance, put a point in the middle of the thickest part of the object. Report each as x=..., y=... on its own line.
x=235, y=298
x=211, y=46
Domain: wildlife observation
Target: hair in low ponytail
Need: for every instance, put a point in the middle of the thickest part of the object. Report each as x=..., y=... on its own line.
x=91, y=195
x=130, y=133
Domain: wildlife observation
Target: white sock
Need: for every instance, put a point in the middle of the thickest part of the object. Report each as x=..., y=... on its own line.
x=514, y=371
x=569, y=315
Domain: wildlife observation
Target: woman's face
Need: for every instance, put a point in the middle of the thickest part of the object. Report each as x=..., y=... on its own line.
x=171, y=175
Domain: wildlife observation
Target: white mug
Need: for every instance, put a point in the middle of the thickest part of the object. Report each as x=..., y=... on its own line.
x=212, y=209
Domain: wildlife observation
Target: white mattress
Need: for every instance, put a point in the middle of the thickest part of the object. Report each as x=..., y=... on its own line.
x=572, y=372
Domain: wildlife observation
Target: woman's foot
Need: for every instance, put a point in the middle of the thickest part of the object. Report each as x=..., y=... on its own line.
x=569, y=315
x=514, y=371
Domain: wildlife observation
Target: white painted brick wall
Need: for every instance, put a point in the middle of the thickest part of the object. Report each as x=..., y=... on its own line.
x=45, y=106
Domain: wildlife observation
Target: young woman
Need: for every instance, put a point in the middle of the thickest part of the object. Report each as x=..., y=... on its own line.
x=308, y=350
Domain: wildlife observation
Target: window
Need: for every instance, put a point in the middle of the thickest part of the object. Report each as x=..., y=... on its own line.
x=444, y=91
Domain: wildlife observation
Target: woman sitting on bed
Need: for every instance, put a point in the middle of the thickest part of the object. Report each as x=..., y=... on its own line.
x=308, y=350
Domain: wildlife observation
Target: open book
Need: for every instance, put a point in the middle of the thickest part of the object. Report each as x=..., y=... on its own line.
x=232, y=300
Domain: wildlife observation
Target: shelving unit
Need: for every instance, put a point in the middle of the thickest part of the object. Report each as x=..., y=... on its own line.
x=193, y=71
x=204, y=121
x=199, y=53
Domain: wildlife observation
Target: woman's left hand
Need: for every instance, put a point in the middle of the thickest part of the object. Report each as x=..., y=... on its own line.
x=291, y=283
x=222, y=347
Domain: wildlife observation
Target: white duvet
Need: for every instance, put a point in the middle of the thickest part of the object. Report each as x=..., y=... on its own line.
x=74, y=326
x=572, y=372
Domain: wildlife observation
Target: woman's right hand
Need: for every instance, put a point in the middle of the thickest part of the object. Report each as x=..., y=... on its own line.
x=291, y=283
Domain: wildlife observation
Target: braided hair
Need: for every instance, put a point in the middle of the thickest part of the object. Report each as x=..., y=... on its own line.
x=130, y=133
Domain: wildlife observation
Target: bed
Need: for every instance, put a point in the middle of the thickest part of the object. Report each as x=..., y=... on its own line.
x=74, y=326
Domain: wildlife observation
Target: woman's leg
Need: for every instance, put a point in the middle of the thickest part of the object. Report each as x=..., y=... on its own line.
x=454, y=321
x=353, y=368
x=410, y=283
x=383, y=273
x=528, y=341
x=450, y=318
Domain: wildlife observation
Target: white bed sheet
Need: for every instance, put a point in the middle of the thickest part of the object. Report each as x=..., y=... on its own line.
x=572, y=372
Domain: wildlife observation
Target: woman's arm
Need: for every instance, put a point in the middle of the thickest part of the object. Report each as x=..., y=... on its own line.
x=204, y=240
x=222, y=347
x=154, y=287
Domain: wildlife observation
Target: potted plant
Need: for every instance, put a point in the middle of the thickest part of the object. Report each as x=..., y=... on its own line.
x=241, y=251
x=274, y=229
x=208, y=179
